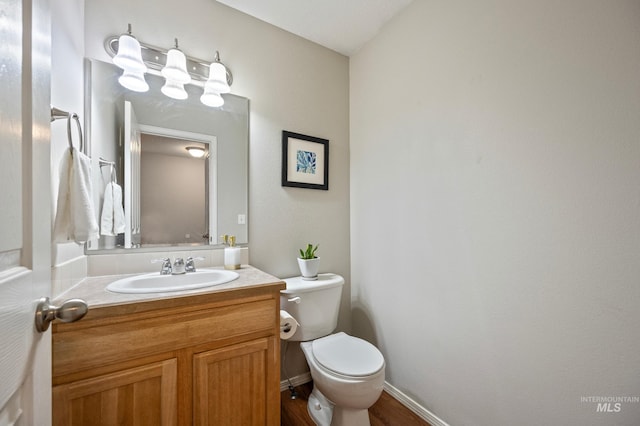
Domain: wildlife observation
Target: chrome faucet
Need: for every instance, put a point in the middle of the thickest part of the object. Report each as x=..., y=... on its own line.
x=166, y=266
x=190, y=266
x=178, y=266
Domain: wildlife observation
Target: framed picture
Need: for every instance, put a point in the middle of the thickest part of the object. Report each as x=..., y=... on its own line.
x=305, y=161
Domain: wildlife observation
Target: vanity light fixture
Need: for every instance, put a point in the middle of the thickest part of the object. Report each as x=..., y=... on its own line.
x=129, y=58
x=216, y=84
x=176, y=66
x=195, y=151
x=129, y=55
x=217, y=81
x=177, y=69
x=175, y=73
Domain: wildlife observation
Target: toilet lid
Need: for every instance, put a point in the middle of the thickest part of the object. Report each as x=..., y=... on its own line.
x=347, y=355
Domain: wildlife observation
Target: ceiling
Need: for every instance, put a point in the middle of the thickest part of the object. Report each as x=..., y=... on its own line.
x=341, y=25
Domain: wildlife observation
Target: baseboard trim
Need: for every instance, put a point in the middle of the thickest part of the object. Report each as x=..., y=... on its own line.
x=412, y=405
x=405, y=400
x=295, y=381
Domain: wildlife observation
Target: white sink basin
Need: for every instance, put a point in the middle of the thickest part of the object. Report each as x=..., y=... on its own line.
x=156, y=283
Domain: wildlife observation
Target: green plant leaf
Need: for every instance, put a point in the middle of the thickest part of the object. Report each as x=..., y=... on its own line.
x=309, y=252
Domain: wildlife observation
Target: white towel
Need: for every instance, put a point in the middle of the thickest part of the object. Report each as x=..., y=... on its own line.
x=75, y=217
x=112, y=219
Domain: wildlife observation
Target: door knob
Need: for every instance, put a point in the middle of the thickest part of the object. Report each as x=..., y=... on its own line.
x=70, y=311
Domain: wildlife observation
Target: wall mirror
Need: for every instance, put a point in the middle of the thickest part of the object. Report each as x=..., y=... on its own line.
x=171, y=199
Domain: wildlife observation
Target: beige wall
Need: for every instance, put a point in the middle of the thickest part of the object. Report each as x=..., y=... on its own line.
x=495, y=197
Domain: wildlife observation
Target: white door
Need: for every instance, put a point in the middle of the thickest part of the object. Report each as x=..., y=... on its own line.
x=25, y=212
x=132, y=149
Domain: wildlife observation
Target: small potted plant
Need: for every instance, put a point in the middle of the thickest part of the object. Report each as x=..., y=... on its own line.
x=309, y=263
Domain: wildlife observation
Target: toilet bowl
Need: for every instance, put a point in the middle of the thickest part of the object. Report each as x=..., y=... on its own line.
x=347, y=372
x=348, y=376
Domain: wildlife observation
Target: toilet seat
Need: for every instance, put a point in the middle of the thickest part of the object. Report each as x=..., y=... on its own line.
x=347, y=355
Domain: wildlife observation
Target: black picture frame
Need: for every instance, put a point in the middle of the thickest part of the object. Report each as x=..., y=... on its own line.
x=305, y=161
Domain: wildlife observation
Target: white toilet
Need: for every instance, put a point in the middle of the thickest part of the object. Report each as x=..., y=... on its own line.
x=347, y=372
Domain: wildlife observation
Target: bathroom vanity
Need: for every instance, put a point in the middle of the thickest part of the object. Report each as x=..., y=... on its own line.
x=206, y=357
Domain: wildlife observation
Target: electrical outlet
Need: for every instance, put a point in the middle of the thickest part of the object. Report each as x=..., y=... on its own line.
x=242, y=219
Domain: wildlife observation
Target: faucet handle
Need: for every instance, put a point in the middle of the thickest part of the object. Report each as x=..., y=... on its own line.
x=190, y=265
x=166, y=265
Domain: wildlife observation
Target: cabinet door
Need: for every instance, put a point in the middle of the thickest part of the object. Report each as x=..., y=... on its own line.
x=232, y=385
x=143, y=395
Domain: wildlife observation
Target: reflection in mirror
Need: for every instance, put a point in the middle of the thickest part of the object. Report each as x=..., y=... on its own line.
x=166, y=163
x=170, y=198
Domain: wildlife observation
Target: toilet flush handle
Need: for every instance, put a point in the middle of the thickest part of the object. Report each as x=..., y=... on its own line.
x=294, y=299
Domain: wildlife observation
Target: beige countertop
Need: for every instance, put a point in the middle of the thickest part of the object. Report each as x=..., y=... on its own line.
x=93, y=289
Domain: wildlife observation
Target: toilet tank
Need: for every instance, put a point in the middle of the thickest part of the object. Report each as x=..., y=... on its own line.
x=314, y=304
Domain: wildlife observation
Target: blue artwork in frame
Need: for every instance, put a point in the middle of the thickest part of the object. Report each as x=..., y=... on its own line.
x=305, y=161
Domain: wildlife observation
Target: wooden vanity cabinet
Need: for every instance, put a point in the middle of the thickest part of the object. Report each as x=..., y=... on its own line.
x=210, y=359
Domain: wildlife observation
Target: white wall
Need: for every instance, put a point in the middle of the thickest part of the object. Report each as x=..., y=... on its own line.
x=67, y=93
x=67, y=53
x=495, y=207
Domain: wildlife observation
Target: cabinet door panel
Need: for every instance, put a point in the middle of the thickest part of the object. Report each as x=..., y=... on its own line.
x=230, y=385
x=143, y=395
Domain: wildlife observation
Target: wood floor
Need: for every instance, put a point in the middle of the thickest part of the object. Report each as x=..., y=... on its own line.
x=386, y=412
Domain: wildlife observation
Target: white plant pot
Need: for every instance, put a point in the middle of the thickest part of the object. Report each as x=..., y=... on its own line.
x=309, y=268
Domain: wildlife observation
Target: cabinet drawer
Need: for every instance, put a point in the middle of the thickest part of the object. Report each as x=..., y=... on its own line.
x=87, y=348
